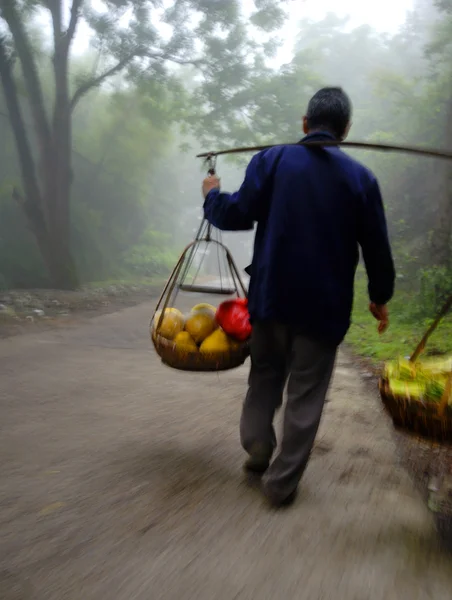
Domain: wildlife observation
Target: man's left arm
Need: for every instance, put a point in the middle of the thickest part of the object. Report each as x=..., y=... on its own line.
x=240, y=210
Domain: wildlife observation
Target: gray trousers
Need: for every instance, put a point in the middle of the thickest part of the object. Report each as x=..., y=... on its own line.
x=278, y=356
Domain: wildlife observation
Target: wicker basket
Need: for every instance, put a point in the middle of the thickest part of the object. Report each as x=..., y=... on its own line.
x=196, y=361
x=183, y=359
x=429, y=420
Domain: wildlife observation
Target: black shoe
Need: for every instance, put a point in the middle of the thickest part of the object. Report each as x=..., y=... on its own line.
x=259, y=459
x=280, y=502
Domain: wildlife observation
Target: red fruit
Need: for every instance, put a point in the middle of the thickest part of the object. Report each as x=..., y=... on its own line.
x=234, y=319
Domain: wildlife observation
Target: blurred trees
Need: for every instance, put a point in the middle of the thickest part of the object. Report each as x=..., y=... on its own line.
x=138, y=38
x=135, y=190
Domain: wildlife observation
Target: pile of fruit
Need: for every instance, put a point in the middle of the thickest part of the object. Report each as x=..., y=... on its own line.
x=198, y=331
x=422, y=381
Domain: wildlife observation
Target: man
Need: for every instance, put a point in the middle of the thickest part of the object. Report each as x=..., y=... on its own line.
x=314, y=207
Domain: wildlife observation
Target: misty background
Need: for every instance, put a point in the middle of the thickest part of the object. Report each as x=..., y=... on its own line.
x=113, y=192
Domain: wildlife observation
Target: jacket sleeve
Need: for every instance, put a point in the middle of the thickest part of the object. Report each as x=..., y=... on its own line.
x=239, y=211
x=374, y=241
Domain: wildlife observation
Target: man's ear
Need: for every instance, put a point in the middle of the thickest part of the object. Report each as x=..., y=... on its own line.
x=347, y=131
x=305, y=125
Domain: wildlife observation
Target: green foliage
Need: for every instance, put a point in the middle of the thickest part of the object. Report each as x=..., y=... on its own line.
x=268, y=16
x=435, y=289
x=150, y=257
x=407, y=251
x=20, y=262
x=405, y=331
x=142, y=47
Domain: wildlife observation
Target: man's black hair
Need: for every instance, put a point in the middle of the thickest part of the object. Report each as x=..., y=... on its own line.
x=329, y=109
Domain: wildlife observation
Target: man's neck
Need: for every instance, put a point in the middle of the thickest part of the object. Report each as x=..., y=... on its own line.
x=321, y=132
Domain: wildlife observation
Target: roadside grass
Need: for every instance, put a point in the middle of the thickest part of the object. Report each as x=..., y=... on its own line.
x=405, y=331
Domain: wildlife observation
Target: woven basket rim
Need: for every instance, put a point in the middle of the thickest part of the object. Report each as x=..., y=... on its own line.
x=160, y=340
x=186, y=361
x=384, y=386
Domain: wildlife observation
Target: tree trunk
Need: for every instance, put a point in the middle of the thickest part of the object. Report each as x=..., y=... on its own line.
x=46, y=201
x=60, y=263
x=47, y=196
x=58, y=163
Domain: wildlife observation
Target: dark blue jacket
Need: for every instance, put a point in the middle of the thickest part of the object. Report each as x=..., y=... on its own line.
x=314, y=207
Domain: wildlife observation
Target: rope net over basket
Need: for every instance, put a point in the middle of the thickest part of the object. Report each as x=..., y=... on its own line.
x=208, y=251
x=418, y=393
x=194, y=341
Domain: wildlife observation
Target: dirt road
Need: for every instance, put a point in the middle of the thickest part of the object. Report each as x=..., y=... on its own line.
x=121, y=479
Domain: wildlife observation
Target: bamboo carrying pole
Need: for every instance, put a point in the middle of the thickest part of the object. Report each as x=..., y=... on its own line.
x=444, y=154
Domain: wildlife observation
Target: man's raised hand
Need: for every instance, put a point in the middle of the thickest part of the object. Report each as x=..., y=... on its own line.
x=212, y=182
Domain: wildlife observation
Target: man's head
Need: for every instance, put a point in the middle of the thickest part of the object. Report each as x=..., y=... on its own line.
x=329, y=110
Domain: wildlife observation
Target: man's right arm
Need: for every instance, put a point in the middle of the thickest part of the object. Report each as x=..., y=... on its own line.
x=374, y=241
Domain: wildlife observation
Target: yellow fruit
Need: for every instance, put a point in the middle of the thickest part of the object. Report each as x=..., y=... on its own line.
x=204, y=307
x=218, y=341
x=172, y=323
x=200, y=325
x=167, y=310
x=184, y=341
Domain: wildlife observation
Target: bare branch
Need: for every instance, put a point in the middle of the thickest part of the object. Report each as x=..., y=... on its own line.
x=75, y=15
x=59, y=46
x=32, y=202
x=195, y=62
x=31, y=78
x=97, y=81
x=97, y=59
x=54, y=7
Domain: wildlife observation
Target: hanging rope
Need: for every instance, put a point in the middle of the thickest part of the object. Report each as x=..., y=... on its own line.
x=211, y=160
x=206, y=237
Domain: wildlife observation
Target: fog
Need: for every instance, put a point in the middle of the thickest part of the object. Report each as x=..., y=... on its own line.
x=135, y=199
x=121, y=475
